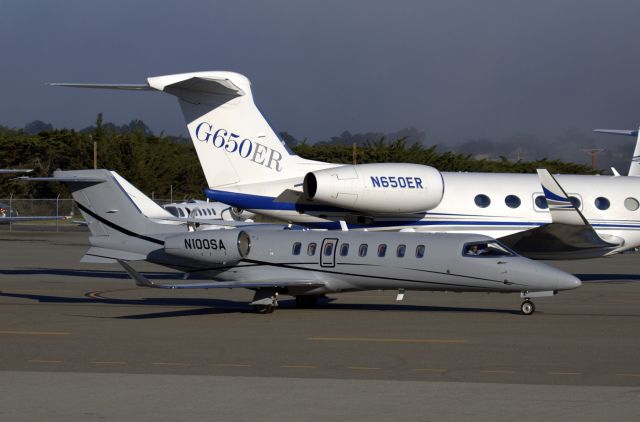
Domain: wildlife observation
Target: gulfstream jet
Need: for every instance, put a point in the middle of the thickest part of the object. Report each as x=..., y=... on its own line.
x=247, y=166
x=127, y=226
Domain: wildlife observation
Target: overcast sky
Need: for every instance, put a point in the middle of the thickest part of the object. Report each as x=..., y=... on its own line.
x=454, y=69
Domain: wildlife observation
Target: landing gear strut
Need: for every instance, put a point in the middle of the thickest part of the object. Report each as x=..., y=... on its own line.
x=527, y=307
x=265, y=301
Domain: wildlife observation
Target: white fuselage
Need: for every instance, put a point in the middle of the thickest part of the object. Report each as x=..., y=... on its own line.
x=458, y=211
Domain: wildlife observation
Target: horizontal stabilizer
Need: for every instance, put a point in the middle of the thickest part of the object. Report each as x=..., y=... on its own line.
x=8, y=171
x=62, y=179
x=34, y=218
x=617, y=132
x=188, y=86
x=126, y=87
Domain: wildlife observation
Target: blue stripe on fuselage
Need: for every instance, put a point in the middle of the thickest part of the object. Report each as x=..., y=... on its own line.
x=259, y=202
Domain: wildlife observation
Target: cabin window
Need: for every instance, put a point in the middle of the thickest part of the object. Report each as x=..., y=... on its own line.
x=512, y=201
x=485, y=250
x=328, y=249
x=402, y=249
x=311, y=249
x=541, y=202
x=181, y=212
x=631, y=204
x=482, y=201
x=602, y=203
x=382, y=250
x=173, y=211
x=344, y=249
x=362, y=251
x=575, y=201
x=420, y=251
x=296, y=248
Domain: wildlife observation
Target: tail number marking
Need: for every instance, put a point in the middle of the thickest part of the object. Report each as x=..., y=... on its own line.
x=396, y=182
x=245, y=148
x=212, y=244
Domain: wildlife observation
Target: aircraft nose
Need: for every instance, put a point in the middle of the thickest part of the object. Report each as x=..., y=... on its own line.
x=568, y=281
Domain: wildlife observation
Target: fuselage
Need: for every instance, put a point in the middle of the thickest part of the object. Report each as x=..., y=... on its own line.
x=348, y=261
x=493, y=204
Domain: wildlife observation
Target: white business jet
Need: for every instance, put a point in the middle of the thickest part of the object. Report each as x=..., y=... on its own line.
x=247, y=166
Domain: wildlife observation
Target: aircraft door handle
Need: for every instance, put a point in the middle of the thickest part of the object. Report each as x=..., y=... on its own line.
x=502, y=262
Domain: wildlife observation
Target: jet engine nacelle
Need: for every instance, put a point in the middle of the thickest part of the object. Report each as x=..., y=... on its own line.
x=221, y=246
x=377, y=188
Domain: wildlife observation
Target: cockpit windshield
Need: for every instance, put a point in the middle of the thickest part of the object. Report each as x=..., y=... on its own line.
x=486, y=250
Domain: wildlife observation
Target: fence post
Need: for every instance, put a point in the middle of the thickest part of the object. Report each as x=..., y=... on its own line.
x=57, y=211
x=10, y=210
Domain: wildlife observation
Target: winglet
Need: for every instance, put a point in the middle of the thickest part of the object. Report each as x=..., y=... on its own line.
x=560, y=206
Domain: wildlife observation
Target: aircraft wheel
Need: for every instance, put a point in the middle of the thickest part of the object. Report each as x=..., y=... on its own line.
x=527, y=307
x=306, y=302
x=264, y=309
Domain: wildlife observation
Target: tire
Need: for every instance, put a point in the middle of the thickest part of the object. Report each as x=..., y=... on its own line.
x=527, y=307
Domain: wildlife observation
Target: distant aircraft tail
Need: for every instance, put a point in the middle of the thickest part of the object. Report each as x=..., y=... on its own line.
x=234, y=142
x=634, y=167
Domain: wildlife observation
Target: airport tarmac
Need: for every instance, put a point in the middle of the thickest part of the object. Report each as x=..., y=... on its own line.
x=82, y=342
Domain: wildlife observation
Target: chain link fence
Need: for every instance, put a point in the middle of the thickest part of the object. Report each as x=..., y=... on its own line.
x=64, y=212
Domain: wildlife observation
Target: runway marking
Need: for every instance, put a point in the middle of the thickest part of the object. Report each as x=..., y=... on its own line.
x=497, y=371
x=43, y=361
x=299, y=366
x=170, y=364
x=363, y=368
x=564, y=373
x=628, y=375
x=429, y=370
x=233, y=365
x=388, y=340
x=36, y=333
x=109, y=362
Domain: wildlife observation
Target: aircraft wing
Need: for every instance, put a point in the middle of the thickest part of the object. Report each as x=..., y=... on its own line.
x=568, y=236
x=142, y=281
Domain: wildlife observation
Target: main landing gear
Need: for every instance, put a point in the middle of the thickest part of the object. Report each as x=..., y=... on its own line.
x=265, y=301
x=527, y=307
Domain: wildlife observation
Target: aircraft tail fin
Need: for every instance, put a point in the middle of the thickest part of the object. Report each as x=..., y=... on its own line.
x=634, y=167
x=112, y=206
x=234, y=142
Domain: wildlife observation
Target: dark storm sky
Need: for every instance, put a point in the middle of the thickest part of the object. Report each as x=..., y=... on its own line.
x=455, y=69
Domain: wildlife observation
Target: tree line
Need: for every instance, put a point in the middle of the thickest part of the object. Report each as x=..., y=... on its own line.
x=159, y=164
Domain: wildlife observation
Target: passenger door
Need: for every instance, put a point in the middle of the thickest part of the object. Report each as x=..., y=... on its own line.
x=328, y=253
